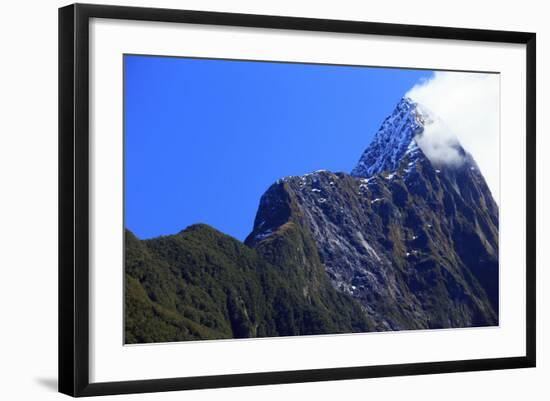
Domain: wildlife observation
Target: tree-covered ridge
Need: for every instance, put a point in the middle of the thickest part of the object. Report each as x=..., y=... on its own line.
x=202, y=284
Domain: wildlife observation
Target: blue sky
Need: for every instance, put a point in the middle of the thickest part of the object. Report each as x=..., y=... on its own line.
x=205, y=138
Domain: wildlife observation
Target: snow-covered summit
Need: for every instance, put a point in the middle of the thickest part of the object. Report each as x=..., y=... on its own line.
x=410, y=130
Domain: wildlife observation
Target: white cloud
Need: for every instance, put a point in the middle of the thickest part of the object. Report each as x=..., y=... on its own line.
x=439, y=144
x=469, y=106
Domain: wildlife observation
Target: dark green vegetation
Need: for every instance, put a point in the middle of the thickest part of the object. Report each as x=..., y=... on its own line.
x=202, y=284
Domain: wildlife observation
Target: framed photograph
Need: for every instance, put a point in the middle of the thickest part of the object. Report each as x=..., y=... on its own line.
x=250, y=199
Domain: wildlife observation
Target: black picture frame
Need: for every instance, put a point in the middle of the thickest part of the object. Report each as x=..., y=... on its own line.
x=74, y=198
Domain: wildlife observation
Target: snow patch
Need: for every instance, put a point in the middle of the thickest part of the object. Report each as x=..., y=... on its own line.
x=263, y=235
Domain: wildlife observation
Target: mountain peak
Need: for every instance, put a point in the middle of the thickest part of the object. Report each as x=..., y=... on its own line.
x=411, y=129
x=394, y=139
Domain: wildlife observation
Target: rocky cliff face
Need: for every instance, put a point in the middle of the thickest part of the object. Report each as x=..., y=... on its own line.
x=411, y=233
